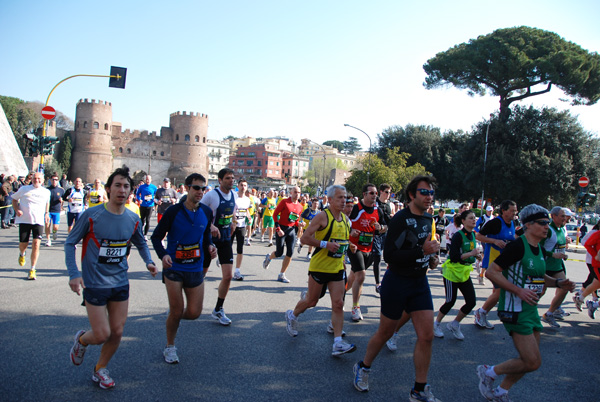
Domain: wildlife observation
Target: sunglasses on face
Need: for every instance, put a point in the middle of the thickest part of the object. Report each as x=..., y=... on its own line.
x=425, y=192
x=543, y=223
x=387, y=192
x=198, y=188
x=372, y=192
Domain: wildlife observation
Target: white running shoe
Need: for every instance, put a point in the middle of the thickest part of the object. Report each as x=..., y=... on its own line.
x=220, y=315
x=291, y=325
x=54, y=235
x=342, y=347
x=361, y=377
x=78, y=350
x=356, y=314
x=481, y=320
x=299, y=247
x=591, y=308
x=238, y=276
x=267, y=261
x=485, y=382
x=330, y=329
x=48, y=243
x=577, y=300
x=170, y=354
x=455, y=329
x=437, y=330
x=392, y=343
x=282, y=278
x=103, y=378
x=247, y=242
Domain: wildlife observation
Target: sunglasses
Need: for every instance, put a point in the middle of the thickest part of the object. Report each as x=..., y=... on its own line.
x=543, y=223
x=425, y=192
x=372, y=192
x=198, y=188
x=387, y=192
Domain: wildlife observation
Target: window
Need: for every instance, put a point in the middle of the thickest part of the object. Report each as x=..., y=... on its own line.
x=85, y=124
x=153, y=153
x=263, y=154
x=162, y=153
x=249, y=163
x=128, y=150
x=259, y=163
x=187, y=138
x=277, y=163
x=106, y=126
x=197, y=138
x=176, y=137
x=289, y=163
x=241, y=154
x=271, y=163
x=96, y=124
x=270, y=171
x=204, y=140
x=120, y=150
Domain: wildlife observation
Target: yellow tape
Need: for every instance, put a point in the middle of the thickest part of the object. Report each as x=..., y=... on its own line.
x=571, y=259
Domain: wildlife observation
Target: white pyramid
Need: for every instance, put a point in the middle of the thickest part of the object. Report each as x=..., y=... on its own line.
x=11, y=159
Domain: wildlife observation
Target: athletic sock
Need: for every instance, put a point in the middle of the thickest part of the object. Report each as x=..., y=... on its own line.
x=219, y=305
x=337, y=339
x=419, y=386
x=481, y=310
x=292, y=316
x=499, y=391
x=491, y=373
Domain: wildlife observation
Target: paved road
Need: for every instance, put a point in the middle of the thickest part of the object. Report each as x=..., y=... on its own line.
x=254, y=358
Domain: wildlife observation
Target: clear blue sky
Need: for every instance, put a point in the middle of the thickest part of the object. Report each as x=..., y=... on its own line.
x=265, y=68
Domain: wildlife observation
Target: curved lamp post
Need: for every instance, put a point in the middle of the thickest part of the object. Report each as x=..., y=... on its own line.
x=370, y=145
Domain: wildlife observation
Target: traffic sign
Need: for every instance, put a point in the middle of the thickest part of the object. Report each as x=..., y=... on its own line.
x=48, y=112
x=584, y=181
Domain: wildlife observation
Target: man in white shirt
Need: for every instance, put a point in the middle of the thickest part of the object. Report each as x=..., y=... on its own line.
x=31, y=204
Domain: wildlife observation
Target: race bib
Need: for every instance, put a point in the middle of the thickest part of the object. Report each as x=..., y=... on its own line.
x=293, y=217
x=535, y=283
x=94, y=199
x=241, y=214
x=148, y=197
x=340, y=251
x=224, y=220
x=112, y=251
x=166, y=198
x=187, y=253
x=365, y=239
x=271, y=207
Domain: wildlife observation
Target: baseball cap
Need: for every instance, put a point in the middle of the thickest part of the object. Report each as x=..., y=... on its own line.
x=569, y=212
x=489, y=208
x=167, y=179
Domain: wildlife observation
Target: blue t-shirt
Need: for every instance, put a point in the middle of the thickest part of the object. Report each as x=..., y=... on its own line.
x=145, y=194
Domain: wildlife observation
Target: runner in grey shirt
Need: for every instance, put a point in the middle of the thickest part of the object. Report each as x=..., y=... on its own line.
x=164, y=198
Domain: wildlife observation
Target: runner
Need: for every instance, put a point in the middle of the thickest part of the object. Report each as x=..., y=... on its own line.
x=520, y=271
x=97, y=194
x=307, y=215
x=31, y=204
x=145, y=195
x=242, y=203
x=384, y=204
x=366, y=219
x=287, y=221
x=56, y=203
x=495, y=235
x=329, y=232
x=457, y=275
x=187, y=227
x=592, y=246
x=76, y=198
x=221, y=202
x=106, y=231
x=164, y=198
x=269, y=204
x=410, y=252
x=441, y=223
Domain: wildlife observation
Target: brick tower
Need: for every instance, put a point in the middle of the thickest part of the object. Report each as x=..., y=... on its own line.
x=189, y=150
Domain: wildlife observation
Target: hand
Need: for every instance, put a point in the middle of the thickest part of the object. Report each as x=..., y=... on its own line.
x=354, y=233
x=280, y=232
x=431, y=246
x=567, y=284
x=47, y=219
x=76, y=285
x=19, y=212
x=377, y=226
x=528, y=296
x=434, y=261
x=332, y=246
x=167, y=262
x=152, y=268
x=500, y=243
x=212, y=250
x=214, y=231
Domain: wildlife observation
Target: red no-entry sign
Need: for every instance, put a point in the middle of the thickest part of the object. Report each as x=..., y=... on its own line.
x=584, y=181
x=48, y=113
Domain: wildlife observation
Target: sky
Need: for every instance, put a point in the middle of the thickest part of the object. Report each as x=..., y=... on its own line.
x=297, y=69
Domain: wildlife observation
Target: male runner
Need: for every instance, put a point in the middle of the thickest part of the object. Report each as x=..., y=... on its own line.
x=242, y=203
x=441, y=223
x=145, y=195
x=410, y=250
x=520, y=271
x=329, y=232
x=31, y=204
x=164, y=198
x=385, y=206
x=269, y=204
x=56, y=203
x=287, y=221
x=106, y=230
x=495, y=235
x=366, y=220
x=221, y=201
x=188, y=241
x=76, y=198
x=97, y=194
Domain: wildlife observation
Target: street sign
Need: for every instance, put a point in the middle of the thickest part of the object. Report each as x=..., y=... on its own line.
x=48, y=113
x=584, y=181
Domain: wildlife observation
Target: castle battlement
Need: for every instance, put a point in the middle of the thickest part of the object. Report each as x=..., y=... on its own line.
x=100, y=102
x=192, y=114
x=137, y=133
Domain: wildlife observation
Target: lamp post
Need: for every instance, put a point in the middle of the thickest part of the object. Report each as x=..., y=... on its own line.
x=370, y=145
x=487, y=132
x=323, y=149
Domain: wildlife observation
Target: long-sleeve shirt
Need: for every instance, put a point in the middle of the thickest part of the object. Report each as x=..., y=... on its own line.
x=592, y=245
x=106, y=237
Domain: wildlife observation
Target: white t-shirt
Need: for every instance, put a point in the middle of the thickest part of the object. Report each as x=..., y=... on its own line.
x=242, y=205
x=32, y=201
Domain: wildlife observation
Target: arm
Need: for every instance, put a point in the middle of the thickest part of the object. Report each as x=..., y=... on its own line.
x=591, y=243
x=142, y=246
x=207, y=244
x=80, y=229
x=308, y=238
x=161, y=230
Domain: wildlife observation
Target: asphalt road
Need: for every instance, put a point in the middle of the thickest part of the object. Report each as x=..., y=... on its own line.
x=255, y=358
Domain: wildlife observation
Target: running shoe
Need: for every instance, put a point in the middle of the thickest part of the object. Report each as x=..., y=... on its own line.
x=591, y=307
x=270, y=244
x=170, y=354
x=561, y=312
x=303, y=294
x=308, y=256
x=437, y=330
x=481, y=320
x=220, y=315
x=78, y=350
x=378, y=288
x=342, y=347
x=361, y=377
x=299, y=247
x=267, y=261
x=54, y=235
x=501, y=398
x=282, y=278
x=549, y=319
x=330, y=329
x=247, y=242
x=103, y=379
x=576, y=299
x=455, y=329
x=356, y=314
x=481, y=280
x=262, y=239
x=32, y=275
x=22, y=260
x=423, y=396
x=238, y=276
x=485, y=382
x=291, y=324
x=392, y=343
x=48, y=243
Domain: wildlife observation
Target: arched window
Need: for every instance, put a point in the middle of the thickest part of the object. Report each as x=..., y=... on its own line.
x=96, y=124
x=204, y=140
x=120, y=150
x=153, y=153
x=197, y=138
x=162, y=153
x=187, y=138
x=176, y=137
x=85, y=124
x=106, y=126
x=128, y=150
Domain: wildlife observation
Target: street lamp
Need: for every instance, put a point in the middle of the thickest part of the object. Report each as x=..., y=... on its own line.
x=323, y=149
x=370, y=145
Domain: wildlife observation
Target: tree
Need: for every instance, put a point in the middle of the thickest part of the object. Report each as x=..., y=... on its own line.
x=421, y=143
x=517, y=63
x=351, y=146
x=336, y=144
x=317, y=176
x=65, y=149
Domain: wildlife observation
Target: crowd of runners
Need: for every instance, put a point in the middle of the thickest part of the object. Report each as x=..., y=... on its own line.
x=521, y=253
